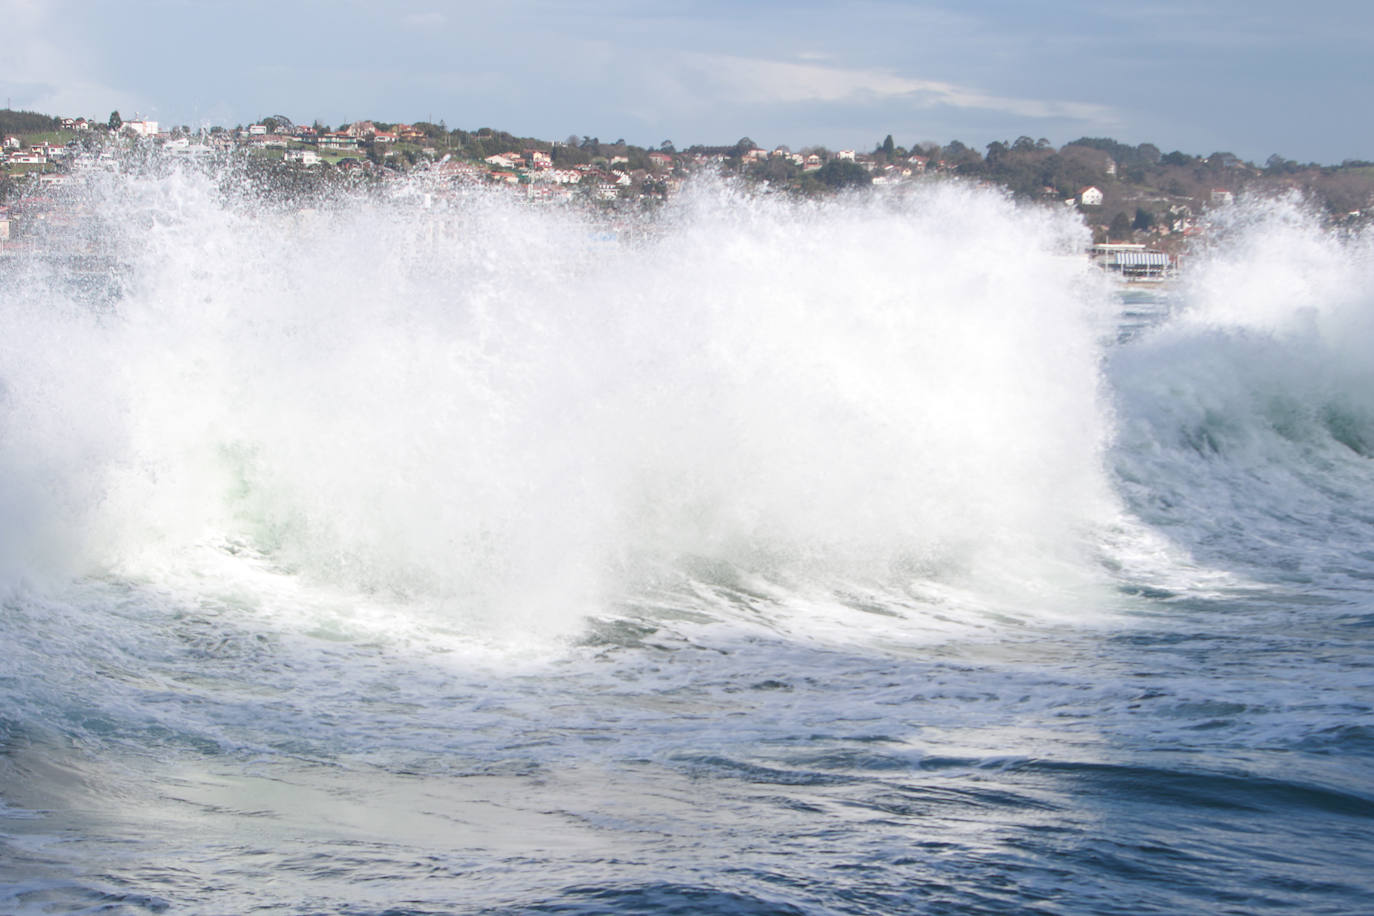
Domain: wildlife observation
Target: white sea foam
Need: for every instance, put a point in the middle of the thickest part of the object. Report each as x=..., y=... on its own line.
x=517, y=413
x=1265, y=379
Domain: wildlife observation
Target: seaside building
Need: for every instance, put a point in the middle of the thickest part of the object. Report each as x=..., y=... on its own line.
x=1133, y=261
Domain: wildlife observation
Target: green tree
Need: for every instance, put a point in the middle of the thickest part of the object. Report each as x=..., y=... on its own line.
x=1120, y=228
x=776, y=170
x=1278, y=165
x=962, y=158
x=889, y=149
x=115, y=122
x=843, y=173
x=1144, y=220
x=566, y=154
x=25, y=122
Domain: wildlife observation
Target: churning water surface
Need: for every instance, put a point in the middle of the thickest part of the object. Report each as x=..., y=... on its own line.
x=417, y=553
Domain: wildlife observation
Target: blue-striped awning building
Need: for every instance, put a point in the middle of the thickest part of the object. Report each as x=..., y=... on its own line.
x=1157, y=260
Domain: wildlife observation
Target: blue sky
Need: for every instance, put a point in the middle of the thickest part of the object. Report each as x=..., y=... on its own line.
x=1253, y=78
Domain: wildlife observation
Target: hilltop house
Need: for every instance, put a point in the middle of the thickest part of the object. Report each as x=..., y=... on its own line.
x=1090, y=196
x=141, y=128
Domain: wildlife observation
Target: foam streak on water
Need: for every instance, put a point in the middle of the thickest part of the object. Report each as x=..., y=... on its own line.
x=752, y=557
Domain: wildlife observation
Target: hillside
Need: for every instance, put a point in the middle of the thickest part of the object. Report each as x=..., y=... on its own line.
x=1141, y=194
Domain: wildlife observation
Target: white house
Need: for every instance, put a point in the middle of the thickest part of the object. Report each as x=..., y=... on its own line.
x=1090, y=197
x=556, y=176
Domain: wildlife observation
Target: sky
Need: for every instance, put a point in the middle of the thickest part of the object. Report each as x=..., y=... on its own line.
x=1254, y=78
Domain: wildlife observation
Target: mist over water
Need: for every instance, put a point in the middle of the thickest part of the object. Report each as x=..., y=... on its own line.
x=427, y=551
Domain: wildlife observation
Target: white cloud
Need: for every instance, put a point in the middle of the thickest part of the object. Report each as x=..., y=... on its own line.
x=756, y=81
x=45, y=67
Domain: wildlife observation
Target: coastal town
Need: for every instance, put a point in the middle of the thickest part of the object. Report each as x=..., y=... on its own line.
x=1142, y=206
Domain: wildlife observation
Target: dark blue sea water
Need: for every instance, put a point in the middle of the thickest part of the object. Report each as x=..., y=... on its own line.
x=431, y=553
